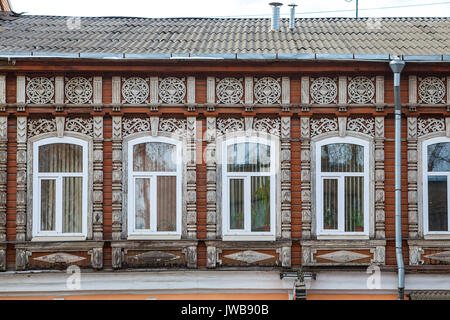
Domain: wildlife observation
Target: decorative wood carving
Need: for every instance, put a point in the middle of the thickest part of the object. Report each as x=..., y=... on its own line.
x=285, y=159
x=412, y=89
x=3, y=183
x=305, y=138
x=361, y=125
x=59, y=89
x=41, y=125
x=20, y=88
x=229, y=91
x=172, y=90
x=135, y=90
x=430, y=125
x=154, y=90
x=78, y=90
x=211, y=180
x=305, y=90
x=413, y=215
x=379, y=178
x=40, y=90
x=323, y=90
x=249, y=90
x=2, y=89
x=323, y=125
x=98, y=90
x=267, y=90
x=431, y=90
x=97, y=221
x=379, y=80
x=21, y=190
x=191, y=183
x=116, y=92
x=361, y=90
x=343, y=90
x=210, y=90
x=116, y=186
x=286, y=90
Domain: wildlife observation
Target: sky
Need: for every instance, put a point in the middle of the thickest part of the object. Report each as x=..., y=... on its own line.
x=232, y=8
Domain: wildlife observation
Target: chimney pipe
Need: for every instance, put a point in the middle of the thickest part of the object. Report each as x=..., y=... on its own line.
x=292, y=17
x=275, y=15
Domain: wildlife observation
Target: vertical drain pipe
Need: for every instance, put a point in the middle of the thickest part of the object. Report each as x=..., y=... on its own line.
x=397, y=66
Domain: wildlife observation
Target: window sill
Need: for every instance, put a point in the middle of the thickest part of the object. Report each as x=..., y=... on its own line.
x=154, y=237
x=342, y=237
x=437, y=236
x=58, y=238
x=248, y=238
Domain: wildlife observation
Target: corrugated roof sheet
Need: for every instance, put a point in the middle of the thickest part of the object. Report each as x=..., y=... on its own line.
x=402, y=36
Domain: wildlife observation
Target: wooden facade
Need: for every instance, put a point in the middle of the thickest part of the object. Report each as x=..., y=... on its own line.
x=106, y=119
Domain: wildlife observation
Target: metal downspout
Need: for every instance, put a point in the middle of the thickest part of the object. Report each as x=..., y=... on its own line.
x=397, y=67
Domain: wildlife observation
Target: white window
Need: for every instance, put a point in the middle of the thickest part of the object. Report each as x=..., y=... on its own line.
x=342, y=187
x=60, y=182
x=249, y=188
x=154, y=188
x=436, y=185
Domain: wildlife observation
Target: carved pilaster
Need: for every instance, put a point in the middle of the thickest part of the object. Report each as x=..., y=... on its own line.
x=379, y=82
x=116, y=177
x=285, y=257
x=3, y=181
x=305, y=138
x=190, y=89
x=211, y=178
x=20, y=87
x=305, y=90
x=116, y=93
x=154, y=90
x=210, y=93
x=412, y=89
x=342, y=123
x=343, y=90
x=191, y=257
x=447, y=127
x=285, y=90
x=98, y=87
x=96, y=258
x=191, y=181
x=415, y=255
x=211, y=257
x=2, y=89
x=448, y=93
x=98, y=179
x=285, y=159
x=248, y=90
x=59, y=90
x=413, y=216
x=379, y=179
x=21, y=177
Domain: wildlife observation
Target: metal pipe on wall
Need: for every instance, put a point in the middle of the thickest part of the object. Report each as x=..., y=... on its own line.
x=397, y=66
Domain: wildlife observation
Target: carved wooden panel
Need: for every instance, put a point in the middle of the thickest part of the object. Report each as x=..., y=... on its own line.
x=245, y=258
x=154, y=258
x=59, y=260
x=342, y=256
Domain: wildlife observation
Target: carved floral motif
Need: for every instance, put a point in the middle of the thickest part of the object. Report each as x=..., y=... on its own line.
x=134, y=125
x=323, y=125
x=227, y=125
x=361, y=90
x=80, y=125
x=172, y=90
x=173, y=126
x=40, y=90
x=361, y=125
x=39, y=126
x=267, y=125
x=430, y=125
x=229, y=91
x=431, y=90
x=323, y=90
x=267, y=91
x=78, y=90
x=135, y=90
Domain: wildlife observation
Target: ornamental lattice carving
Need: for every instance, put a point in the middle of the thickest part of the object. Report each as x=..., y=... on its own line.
x=229, y=91
x=323, y=90
x=267, y=91
x=323, y=125
x=361, y=125
x=227, y=125
x=135, y=90
x=431, y=90
x=173, y=125
x=430, y=125
x=271, y=126
x=78, y=90
x=40, y=90
x=172, y=90
x=361, y=90
x=39, y=126
x=80, y=125
x=135, y=125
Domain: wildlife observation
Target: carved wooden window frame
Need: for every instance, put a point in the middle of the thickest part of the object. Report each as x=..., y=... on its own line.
x=133, y=234
x=275, y=214
x=182, y=227
x=369, y=163
x=424, y=142
x=33, y=212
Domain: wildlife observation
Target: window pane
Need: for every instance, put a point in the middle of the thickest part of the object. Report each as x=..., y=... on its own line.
x=437, y=203
x=48, y=205
x=142, y=203
x=354, y=204
x=342, y=157
x=167, y=203
x=61, y=157
x=260, y=203
x=154, y=156
x=72, y=204
x=237, y=204
x=248, y=157
x=439, y=157
x=330, y=204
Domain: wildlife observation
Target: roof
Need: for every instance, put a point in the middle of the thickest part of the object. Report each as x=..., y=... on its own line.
x=123, y=35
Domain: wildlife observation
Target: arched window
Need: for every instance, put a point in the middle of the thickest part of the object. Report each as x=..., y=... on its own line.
x=154, y=188
x=342, y=185
x=60, y=183
x=249, y=188
x=436, y=187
